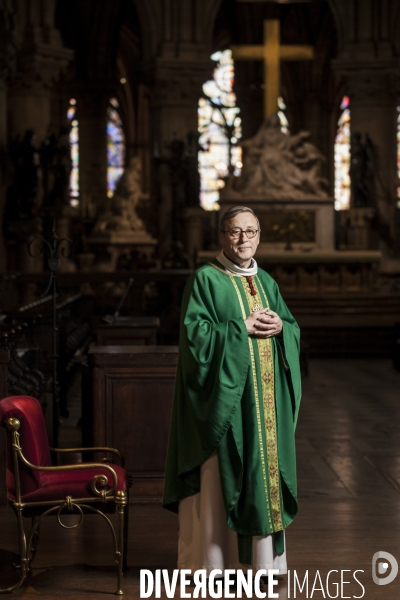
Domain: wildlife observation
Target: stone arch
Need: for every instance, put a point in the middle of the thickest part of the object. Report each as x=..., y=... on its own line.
x=209, y=8
x=395, y=25
x=338, y=10
x=92, y=29
x=149, y=16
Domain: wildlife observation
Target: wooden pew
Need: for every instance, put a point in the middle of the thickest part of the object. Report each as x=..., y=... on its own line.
x=130, y=407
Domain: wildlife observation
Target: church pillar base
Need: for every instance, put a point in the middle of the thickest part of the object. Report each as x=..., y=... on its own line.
x=358, y=225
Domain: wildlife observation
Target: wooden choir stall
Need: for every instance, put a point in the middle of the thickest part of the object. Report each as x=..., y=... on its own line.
x=127, y=402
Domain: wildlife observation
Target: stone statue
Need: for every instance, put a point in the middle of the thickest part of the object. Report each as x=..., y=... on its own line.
x=278, y=166
x=178, y=186
x=362, y=171
x=121, y=215
x=56, y=162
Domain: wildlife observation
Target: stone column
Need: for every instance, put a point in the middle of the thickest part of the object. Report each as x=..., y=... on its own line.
x=8, y=47
x=3, y=145
x=368, y=69
x=372, y=85
x=176, y=86
x=41, y=60
x=92, y=106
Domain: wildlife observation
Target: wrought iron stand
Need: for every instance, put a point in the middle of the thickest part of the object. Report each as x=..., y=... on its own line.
x=53, y=249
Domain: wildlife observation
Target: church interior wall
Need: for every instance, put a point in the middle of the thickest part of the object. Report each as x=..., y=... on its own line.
x=162, y=50
x=153, y=57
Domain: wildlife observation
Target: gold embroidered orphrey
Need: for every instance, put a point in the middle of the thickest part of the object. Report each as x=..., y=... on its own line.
x=256, y=307
x=271, y=482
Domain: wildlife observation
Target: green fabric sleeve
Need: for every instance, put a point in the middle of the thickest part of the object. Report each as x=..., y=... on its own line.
x=287, y=395
x=291, y=351
x=212, y=370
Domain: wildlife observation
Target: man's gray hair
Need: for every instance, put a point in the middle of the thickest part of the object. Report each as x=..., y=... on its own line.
x=236, y=210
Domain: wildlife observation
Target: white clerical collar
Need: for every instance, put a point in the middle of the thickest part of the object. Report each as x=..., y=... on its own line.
x=236, y=269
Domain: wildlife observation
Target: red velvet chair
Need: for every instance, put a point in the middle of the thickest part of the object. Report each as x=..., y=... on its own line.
x=37, y=489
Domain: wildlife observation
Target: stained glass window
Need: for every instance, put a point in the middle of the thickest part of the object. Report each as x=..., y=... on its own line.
x=342, y=157
x=220, y=128
x=74, y=144
x=398, y=155
x=115, y=147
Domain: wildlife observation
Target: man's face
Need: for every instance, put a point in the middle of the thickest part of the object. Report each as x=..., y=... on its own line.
x=240, y=250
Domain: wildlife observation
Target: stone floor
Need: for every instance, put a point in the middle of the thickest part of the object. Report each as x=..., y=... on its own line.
x=349, y=498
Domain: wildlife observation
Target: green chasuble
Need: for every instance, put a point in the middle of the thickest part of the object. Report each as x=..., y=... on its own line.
x=238, y=395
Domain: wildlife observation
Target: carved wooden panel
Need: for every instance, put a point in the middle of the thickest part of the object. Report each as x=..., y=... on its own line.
x=132, y=401
x=287, y=226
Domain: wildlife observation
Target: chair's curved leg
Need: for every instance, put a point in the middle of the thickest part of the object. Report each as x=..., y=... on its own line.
x=126, y=530
x=24, y=567
x=34, y=540
x=121, y=502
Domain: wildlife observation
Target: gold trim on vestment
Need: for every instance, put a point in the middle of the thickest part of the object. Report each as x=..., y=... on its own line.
x=272, y=481
x=268, y=395
x=257, y=405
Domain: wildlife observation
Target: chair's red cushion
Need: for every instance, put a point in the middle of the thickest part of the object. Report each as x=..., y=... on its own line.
x=75, y=483
x=37, y=486
x=33, y=440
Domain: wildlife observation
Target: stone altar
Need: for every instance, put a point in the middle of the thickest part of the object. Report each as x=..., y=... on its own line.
x=282, y=183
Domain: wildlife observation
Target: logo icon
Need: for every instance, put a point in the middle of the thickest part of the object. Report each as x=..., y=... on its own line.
x=382, y=567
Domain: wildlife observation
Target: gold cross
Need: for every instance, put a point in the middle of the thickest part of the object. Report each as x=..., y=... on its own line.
x=272, y=53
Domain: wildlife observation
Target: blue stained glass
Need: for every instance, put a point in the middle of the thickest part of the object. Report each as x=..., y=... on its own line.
x=115, y=147
x=74, y=145
x=218, y=117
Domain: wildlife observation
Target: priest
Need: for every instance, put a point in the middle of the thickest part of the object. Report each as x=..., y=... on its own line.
x=231, y=465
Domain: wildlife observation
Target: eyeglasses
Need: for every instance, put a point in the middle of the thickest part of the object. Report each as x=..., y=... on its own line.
x=236, y=232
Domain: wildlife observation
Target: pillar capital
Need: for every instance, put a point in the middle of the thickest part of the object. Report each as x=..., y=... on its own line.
x=177, y=81
x=39, y=67
x=42, y=56
x=41, y=59
x=369, y=82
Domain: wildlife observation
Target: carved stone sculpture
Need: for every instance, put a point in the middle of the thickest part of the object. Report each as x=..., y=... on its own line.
x=119, y=231
x=56, y=164
x=278, y=166
x=121, y=214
